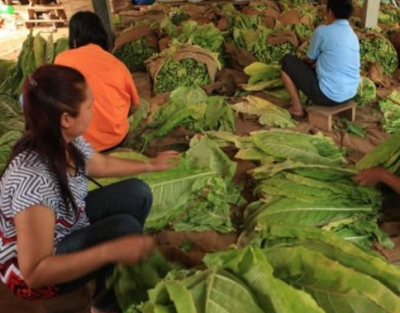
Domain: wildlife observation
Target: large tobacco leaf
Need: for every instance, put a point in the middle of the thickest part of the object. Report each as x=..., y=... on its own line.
x=195, y=195
x=386, y=155
x=269, y=114
x=294, y=146
x=209, y=291
x=336, y=288
x=333, y=247
x=251, y=266
x=285, y=211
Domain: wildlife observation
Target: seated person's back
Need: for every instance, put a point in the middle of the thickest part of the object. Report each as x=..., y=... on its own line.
x=109, y=79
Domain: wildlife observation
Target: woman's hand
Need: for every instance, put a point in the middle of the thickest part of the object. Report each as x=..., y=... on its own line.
x=130, y=249
x=164, y=161
x=370, y=176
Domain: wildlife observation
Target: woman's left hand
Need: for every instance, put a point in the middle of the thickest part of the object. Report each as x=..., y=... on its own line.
x=164, y=161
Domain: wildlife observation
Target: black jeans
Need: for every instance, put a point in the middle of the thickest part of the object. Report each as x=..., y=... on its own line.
x=305, y=79
x=114, y=211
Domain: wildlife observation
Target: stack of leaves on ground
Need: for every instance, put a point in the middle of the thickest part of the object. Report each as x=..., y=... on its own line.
x=191, y=108
x=284, y=269
x=390, y=107
x=196, y=195
x=11, y=127
x=303, y=180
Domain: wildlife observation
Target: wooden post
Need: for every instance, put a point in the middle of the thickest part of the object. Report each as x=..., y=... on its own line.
x=370, y=13
x=102, y=9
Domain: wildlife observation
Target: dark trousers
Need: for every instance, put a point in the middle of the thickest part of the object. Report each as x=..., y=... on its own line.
x=305, y=79
x=114, y=211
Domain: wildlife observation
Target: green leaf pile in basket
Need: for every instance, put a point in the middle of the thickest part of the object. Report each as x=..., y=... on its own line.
x=182, y=65
x=374, y=48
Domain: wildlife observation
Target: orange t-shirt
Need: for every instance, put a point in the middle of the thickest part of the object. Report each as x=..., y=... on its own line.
x=113, y=91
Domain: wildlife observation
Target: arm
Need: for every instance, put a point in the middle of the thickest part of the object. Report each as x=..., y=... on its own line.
x=38, y=264
x=101, y=165
x=310, y=62
x=377, y=175
x=314, y=50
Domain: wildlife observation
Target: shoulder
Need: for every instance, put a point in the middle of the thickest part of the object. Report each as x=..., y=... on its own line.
x=65, y=55
x=82, y=145
x=27, y=181
x=322, y=30
x=27, y=167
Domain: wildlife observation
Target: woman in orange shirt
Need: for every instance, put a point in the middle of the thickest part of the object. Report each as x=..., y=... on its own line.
x=111, y=82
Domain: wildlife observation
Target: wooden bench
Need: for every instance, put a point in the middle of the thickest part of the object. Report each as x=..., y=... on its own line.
x=322, y=116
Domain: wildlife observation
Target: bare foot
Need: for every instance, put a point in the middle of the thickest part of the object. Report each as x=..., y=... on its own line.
x=296, y=112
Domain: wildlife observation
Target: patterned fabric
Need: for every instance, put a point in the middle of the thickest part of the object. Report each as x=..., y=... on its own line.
x=29, y=181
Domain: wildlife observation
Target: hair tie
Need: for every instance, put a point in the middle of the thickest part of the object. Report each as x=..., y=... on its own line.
x=32, y=81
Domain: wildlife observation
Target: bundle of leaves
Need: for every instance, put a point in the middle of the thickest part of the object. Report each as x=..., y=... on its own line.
x=130, y=283
x=5, y=66
x=25, y=66
x=287, y=4
x=390, y=107
x=206, y=36
x=262, y=76
x=195, y=195
x=191, y=108
x=311, y=11
x=269, y=114
x=283, y=145
x=35, y=52
x=178, y=15
x=272, y=54
x=377, y=49
x=386, y=155
x=303, y=32
x=134, y=54
x=299, y=20
x=366, y=92
x=303, y=180
x=287, y=274
x=11, y=127
x=300, y=256
x=249, y=34
x=294, y=193
x=235, y=281
x=186, y=72
x=135, y=45
x=182, y=65
x=388, y=15
x=353, y=128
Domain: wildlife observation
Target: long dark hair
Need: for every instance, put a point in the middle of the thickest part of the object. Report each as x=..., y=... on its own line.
x=85, y=27
x=48, y=93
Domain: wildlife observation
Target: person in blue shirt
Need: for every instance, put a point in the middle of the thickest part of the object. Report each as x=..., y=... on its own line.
x=330, y=74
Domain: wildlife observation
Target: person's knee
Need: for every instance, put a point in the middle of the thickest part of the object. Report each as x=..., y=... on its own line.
x=139, y=187
x=141, y=191
x=287, y=61
x=124, y=224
